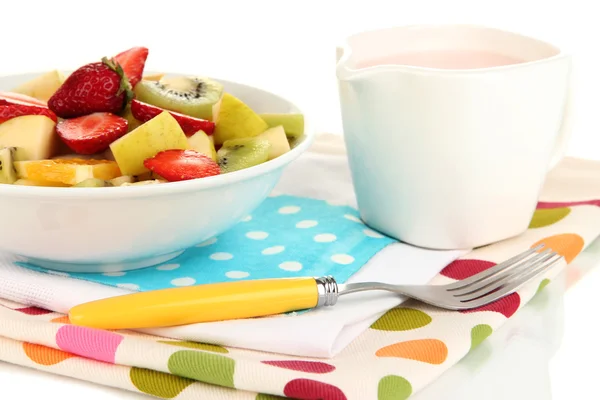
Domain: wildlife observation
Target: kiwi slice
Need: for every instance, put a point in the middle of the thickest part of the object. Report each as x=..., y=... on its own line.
x=236, y=154
x=195, y=96
x=93, y=182
x=8, y=174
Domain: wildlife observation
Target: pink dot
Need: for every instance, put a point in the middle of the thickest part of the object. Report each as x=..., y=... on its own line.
x=462, y=269
x=90, y=343
x=506, y=306
x=545, y=204
x=312, y=390
x=315, y=367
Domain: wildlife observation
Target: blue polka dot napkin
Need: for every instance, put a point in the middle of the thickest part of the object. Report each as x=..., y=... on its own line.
x=287, y=236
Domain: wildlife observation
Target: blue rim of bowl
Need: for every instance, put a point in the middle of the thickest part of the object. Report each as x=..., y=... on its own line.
x=166, y=189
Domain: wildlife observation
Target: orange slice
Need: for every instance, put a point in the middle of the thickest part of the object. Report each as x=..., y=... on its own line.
x=69, y=172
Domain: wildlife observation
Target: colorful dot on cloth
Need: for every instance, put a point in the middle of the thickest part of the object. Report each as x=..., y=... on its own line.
x=463, y=269
x=43, y=355
x=157, y=383
x=372, y=233
x=194, y=345
x=221, y=256
x=33, y=311
x=114, y=273
x=273, y=250
x=263, y=396
x=129, y=286
x=90, y=343
x=315, y=367
x=168, y=267
x=343, y=259
x=479, y=333
x=307, y=223
x=506, y=306
x=61, y=320
x=258, y=235
x=292, y=266
x=546, y=217
x=325, y=238
x=237, y=274
x=289, y=210
x=402, y=319
x=207, y=242
x=431, y=351
x=547, y=204
x=309, y=389
x=568, y=245
x=542, y=285
x=205, y=367
x=185, y=281
x=352, y=218
x=393, y=387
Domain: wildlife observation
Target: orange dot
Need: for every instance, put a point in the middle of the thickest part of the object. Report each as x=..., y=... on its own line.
x=431, y=351
x=62, y=320
x=45, y=355
x=568, y=245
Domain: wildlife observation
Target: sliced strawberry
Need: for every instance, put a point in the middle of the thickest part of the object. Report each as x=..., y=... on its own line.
x=95, y=87
x=92, y=133
x=144, y=112
x=17, y=98
x=181, y=165
x=13, y=110
x=133, y=61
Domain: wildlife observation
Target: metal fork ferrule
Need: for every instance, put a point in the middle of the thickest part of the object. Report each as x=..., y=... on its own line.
x=328, y=291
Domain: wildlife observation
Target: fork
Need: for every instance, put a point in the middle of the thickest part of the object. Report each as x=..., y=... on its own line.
x=264, y=297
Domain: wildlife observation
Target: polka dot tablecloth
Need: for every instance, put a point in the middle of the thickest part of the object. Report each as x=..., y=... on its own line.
x=402, y=352
x=287, y=236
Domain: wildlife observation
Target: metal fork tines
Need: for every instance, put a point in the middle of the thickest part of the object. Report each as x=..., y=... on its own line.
x=478, y=290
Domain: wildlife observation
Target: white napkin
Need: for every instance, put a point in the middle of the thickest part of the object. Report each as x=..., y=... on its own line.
x=319, y=333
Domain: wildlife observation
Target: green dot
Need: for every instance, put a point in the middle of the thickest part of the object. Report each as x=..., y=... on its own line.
x=543, y=284
x=205, y=367
x=157, y=383
x=199, y=346
x=548, y=216
x=262, y=396
x=401, y=319
x=479, y=333
x=393, y=387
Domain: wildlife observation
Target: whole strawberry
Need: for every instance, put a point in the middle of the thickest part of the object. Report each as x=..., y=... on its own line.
x=96, y=87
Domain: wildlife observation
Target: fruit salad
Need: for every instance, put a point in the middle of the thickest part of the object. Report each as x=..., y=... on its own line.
x=108, y=124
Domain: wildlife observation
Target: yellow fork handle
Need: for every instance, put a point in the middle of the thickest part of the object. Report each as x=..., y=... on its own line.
x=202, y=303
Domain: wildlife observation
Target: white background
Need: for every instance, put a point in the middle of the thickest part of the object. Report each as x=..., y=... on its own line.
x=288, y=47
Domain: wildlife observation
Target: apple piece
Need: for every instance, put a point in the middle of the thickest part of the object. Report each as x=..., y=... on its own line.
x=279, y=141
x=153, y=77
x=34, y=134
x=43, y=86
x=160, y=133
x=236, y=120
x=203, y=144
x=293, y=124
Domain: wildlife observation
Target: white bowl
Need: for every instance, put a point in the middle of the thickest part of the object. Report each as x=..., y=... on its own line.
x=124, y=228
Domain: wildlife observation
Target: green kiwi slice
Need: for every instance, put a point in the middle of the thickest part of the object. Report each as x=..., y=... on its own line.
x=236, y=154
x=8, y=174
x=195, y=96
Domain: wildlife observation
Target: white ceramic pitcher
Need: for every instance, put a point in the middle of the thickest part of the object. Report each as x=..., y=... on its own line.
x=451, y=158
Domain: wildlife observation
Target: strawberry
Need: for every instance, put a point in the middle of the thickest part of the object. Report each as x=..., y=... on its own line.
x=92, y=133
x=12, y=110
x=144, y=112
x=133, y=61
x=180, y=165
x=7, y=98
x=95, y=87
